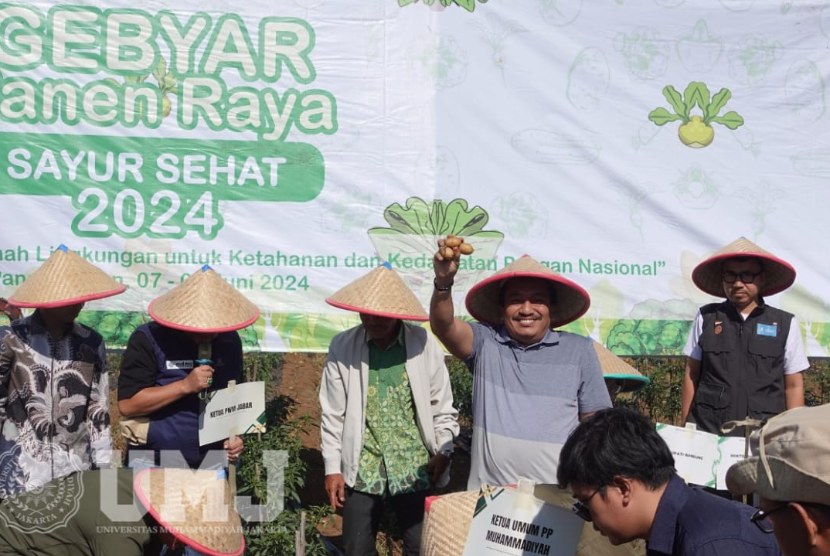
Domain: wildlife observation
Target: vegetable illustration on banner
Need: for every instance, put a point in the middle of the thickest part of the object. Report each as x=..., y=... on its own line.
x=695, y=130
x=410, y=240
x=469, y=5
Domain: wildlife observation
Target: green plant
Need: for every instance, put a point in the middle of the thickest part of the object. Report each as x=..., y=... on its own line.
x=696, y=131
x=660, y=400
x=115, y=326
x=461, y=382
x=277, y=537
x=817, y=382
x=469, y=5
x=284, y=428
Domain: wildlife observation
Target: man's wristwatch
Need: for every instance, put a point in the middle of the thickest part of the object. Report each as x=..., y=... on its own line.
x=446, y=452
x=446, y=288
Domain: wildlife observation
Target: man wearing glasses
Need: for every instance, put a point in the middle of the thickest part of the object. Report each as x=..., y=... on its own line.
x=792, y=478
x=622, y=475
x=745, y=358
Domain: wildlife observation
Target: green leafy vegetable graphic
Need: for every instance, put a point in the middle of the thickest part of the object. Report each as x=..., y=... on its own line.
x=414, y=228
x=650, y=337
x=468, y=5
x=167, y=84
x=696, y=130
x=436, y=218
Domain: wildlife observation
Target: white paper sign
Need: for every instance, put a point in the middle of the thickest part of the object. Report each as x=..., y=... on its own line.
x=732, y=449
x=502, y=526
x=695, y=453
x=233, y=411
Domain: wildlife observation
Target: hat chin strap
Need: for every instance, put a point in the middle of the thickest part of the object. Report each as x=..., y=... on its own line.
x=729, y=426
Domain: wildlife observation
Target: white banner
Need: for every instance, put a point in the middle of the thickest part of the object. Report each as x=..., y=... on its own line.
x=293, y=146
x=702, y=458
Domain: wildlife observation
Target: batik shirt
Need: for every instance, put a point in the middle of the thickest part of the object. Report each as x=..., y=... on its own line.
x=54, y=404
x=394, y=458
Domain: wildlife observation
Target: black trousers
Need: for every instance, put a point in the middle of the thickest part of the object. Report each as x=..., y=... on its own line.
x=361, y=515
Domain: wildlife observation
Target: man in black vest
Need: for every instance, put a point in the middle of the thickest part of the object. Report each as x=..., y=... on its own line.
x=745, y=358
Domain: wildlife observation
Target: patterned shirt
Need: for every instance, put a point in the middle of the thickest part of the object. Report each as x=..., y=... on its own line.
x=54, y=404
x=394, y=458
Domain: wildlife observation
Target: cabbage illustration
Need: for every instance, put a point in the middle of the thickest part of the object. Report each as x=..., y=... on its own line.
x=523, y=214
x=804, y=87
x=415, y=227
x=645, y=52
x=469, y=5
x=696, y=189
x=443, y=61
x=751, y=59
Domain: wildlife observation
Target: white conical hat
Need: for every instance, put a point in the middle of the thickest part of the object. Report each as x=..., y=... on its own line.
x=380, y=292
x=778, y=273
x=204, y=303
x=571, y=300
x=64, y=279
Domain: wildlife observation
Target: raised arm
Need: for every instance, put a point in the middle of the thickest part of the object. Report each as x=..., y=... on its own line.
x=455, y=334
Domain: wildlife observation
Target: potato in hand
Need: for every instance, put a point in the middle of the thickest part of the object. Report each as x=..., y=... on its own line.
x=454, y=242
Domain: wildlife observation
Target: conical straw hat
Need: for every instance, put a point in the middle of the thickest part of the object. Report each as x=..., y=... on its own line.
x=195, y=506
x=380, y=292
x=778, y=273
x=203, y=303
x=614, y=367
x=64, y=279
x=571, y=300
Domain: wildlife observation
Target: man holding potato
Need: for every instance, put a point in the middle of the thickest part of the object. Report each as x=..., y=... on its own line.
x=531, y=384
x=387, y=421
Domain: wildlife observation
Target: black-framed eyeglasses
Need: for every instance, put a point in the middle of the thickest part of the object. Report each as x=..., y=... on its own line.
x=759, y=518
x=746, y=277
x=581, y=508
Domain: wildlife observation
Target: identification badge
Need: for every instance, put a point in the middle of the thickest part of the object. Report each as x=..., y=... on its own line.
x=767, y=330
x=718, y=326
x=185, y=364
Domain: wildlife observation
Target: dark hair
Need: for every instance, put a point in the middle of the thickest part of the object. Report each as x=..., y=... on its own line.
x=612, y=442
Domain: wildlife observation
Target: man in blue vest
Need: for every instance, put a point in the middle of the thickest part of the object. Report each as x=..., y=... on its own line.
x=191, y=347
x=745, y=358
